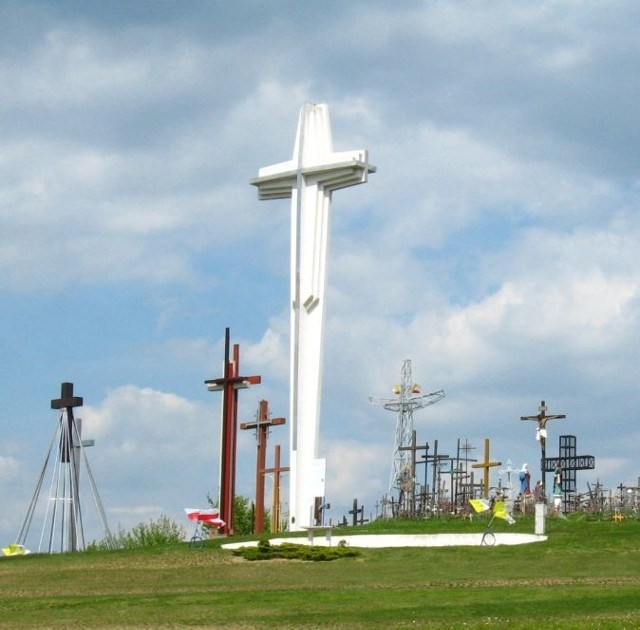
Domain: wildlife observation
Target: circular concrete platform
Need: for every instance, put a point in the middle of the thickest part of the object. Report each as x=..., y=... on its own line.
x=394, y=540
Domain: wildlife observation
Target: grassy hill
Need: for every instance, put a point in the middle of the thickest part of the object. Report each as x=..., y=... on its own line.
x=587, y=575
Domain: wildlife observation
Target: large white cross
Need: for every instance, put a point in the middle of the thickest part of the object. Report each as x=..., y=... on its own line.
x=309, y=179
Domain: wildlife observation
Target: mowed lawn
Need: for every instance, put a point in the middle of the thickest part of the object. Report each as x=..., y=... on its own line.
x=587, y=575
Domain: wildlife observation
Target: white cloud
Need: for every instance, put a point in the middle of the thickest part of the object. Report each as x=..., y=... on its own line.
x=496, y=246
x=357, y=470
x=9, y=467
x=272, y=351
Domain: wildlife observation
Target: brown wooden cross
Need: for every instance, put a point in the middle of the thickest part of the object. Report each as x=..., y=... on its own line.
x=261, y=425
x=486, y=465
x=277, y=470
x=229, y=384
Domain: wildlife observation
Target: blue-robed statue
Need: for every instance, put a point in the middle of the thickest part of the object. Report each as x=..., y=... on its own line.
x=525, y=480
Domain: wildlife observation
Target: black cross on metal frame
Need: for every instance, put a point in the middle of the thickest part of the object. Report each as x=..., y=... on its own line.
x=67, y=401
x=569, y=463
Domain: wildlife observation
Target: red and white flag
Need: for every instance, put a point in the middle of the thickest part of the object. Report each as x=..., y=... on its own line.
x=211, y=516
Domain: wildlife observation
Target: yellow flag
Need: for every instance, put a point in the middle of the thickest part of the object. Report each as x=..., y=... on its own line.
x=500, y=511
x=480, y=505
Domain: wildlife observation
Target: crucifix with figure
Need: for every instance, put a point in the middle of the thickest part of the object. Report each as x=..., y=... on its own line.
x=541, y=435
x=309, y=179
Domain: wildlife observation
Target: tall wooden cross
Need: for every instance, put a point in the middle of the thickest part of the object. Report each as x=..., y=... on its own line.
x=541, y=435
x=486, y=465
x=309, y=179
x=262, y=424
x=277, y=470
x=229, y=384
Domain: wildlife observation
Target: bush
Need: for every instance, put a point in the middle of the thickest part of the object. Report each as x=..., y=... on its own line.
x=289, y=551
x=161, y=532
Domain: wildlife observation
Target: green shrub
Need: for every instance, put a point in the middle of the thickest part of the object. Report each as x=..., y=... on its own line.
x=161, y=532
x=265, y=551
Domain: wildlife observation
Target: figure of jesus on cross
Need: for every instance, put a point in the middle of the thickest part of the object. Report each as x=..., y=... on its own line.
x=541, y=435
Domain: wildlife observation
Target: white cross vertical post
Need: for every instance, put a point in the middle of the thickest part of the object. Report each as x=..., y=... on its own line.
x=309, y=179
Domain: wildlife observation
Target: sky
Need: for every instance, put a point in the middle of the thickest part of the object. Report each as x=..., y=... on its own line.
x=496, y=247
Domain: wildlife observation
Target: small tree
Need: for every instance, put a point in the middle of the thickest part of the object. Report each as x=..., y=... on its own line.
x=243, y=515
x=243, y=511
x=161, y=532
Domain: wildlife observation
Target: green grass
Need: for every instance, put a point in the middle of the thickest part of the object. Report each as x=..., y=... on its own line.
x=587, y=575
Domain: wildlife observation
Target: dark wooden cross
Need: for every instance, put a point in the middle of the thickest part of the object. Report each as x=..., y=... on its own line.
x=262, y=424
x=567, y=463
x=358, y=511
x=542, y=418
x=486, y=465
x=412, y=448
x=68, y=402
x=435, y=459
x=229, y=384
x=460, y=473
